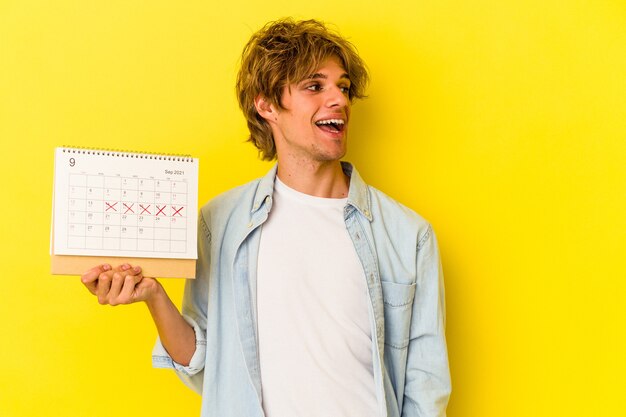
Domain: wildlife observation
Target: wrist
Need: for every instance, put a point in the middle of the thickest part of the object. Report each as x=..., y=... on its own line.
x=157, y=296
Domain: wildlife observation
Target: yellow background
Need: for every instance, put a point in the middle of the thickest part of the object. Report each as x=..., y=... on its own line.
x=502, y=122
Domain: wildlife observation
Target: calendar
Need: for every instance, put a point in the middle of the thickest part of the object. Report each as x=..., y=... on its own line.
x=124, y=204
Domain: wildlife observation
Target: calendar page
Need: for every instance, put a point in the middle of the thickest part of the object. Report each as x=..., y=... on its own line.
x=124, y=204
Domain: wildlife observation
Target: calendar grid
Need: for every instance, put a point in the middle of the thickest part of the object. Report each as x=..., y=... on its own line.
x=127, y=213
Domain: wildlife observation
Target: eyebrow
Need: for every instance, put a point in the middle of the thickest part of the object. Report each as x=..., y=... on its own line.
x=324, y=76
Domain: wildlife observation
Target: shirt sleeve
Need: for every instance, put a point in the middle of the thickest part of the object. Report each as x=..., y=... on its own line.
x=427, y=385
x=192, y=373
x=194, y=311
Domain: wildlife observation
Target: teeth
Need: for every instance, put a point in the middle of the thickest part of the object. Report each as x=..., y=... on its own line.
x=329, y=121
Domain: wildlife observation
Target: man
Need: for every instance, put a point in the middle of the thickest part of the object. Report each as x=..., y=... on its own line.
x=315, y=294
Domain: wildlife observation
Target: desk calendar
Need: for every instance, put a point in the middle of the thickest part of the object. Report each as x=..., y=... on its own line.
x=124, y=205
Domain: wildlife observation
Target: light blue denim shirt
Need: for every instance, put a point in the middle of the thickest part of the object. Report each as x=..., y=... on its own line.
x=400, y=258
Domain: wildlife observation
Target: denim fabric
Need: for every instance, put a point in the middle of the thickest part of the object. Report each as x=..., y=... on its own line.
x=399, y=254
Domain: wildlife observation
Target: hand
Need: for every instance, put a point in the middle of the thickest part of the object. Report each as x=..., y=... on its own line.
x=122, y=285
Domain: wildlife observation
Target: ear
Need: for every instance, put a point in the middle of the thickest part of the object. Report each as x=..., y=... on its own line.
x=265, y=108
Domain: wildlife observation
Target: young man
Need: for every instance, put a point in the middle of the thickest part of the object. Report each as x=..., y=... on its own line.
x=315, y=294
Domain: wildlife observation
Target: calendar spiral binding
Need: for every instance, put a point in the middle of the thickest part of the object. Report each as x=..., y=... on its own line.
x=127, y=153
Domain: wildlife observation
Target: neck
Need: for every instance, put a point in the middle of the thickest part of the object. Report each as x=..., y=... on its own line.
x=324, y=179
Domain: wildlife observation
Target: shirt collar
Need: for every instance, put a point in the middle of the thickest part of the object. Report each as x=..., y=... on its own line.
x=358, y=195
x=265, y=190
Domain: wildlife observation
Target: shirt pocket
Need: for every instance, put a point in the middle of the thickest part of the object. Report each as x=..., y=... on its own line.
x=397, y=304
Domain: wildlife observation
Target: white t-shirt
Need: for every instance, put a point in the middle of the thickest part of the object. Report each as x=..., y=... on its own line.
x=315, y=341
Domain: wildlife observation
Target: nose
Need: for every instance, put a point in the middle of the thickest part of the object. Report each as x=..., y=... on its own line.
x=336, y=97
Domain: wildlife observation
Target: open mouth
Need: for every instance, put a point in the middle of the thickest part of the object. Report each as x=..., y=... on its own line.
x=331, y=125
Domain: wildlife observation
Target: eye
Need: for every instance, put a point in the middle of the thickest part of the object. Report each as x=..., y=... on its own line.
x=313, y=87
x=345, y=89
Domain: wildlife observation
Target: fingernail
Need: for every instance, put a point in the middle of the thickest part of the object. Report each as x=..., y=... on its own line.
x=137, y=269
x=106, y=267
x=125, y=267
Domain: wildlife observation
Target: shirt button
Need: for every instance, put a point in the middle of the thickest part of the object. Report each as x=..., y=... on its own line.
x=249, y=225
x=366, y=212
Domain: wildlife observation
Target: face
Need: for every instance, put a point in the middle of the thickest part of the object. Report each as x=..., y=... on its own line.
x=313, y=125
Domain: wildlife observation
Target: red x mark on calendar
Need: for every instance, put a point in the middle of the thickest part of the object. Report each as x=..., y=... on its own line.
x=129, y=208
x=110, y=206
x=144, y=209
x=160, y=210
x=177, y=211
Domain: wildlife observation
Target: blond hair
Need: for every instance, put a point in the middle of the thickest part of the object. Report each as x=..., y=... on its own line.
x=285, y=52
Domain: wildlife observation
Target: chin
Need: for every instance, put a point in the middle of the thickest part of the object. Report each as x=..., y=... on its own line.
x=332, y=156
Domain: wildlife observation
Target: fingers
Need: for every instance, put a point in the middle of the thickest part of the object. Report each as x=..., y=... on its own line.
x=112, y=287
x=127, y=293
x=116, y=286
x=90, y=278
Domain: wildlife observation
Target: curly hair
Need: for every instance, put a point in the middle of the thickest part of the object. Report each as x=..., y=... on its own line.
x=284, y=52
